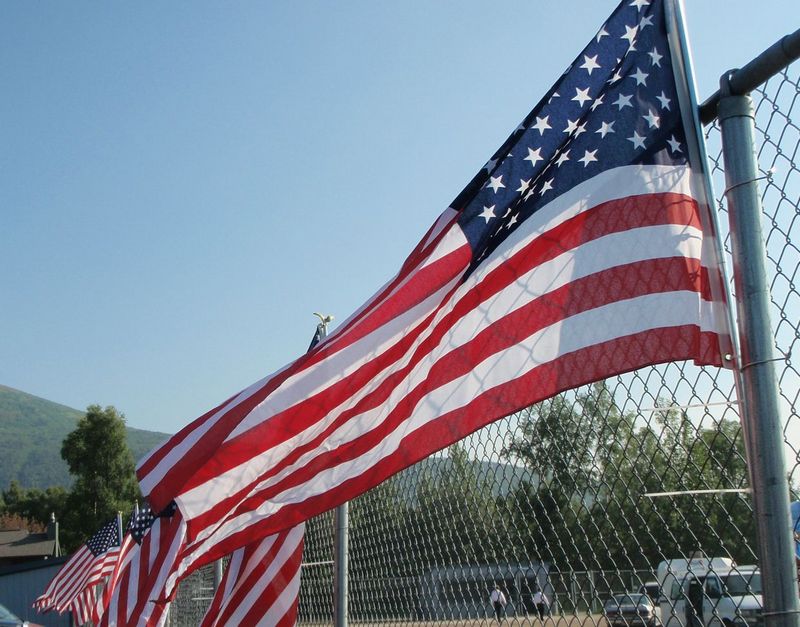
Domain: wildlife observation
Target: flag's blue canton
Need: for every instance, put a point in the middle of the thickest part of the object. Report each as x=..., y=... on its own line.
x=104, y=539
x=169, y=510
x=616, y=105
x=141, y=522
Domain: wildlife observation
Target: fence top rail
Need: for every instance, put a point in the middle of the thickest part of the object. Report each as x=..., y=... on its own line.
x=774, y=59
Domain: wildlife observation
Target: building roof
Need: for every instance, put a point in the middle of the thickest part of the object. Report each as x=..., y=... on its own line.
x=19, y=543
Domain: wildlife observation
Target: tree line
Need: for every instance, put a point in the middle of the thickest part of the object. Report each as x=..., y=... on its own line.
x=99, y=459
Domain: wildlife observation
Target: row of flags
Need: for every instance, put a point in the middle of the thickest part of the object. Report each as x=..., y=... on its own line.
x=585, y=248
x=109, y=581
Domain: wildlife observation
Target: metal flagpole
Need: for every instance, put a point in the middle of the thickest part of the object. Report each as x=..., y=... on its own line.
x=340, y=523
x=761, y=412
x=756, y=381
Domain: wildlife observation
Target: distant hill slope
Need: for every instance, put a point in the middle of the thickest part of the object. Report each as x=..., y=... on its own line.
x=31, y=432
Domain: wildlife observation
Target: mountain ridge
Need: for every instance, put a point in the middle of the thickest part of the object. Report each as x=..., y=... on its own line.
x=31, y=432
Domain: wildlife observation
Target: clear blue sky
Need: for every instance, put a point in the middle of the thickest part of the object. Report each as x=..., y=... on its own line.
x=182, y=184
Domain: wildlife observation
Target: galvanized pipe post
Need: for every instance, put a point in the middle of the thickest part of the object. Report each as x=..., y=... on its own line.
x=341, y=523
x=218, y=572
x=760, y=405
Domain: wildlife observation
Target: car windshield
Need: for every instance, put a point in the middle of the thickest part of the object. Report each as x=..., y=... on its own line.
x=629, y=599
x=740, y=584
x=6, y=615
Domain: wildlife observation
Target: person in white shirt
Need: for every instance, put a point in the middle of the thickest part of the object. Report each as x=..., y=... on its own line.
x=498, y=600
x=541, y=602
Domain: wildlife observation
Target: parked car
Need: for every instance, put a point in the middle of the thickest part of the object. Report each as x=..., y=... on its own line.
x=631, y=609
x=9, y=619
x=651, y=589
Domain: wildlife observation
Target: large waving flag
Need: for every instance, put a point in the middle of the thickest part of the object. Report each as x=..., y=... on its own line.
x=583, y=249
x=261, y=585
x=87, y=568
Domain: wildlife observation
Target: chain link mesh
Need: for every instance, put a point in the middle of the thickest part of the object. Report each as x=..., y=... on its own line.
x=555, y=498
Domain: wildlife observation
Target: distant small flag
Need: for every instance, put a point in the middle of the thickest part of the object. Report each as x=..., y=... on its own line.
x=87, y=568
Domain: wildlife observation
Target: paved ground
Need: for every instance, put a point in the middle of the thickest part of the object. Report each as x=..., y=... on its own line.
x=580, y=620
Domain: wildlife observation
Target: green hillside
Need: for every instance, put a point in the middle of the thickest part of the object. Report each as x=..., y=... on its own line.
x=31, y=432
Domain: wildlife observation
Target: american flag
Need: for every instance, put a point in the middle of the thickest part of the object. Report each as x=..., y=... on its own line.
x=133, y=595
x=583, y=249
x=261, y=585
x=83, y=606
x=88, y=567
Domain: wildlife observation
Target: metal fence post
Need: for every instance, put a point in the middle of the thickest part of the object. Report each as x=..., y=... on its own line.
x=218, y=571
x=340, y=565
x=761, y=413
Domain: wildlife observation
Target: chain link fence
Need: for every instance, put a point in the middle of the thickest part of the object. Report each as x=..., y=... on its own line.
x=560, y=497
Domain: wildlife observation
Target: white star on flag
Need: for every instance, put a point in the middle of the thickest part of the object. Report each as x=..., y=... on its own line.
x=488, y=213
x=674, y=144
x=582, y=95
x=623, y=101
x=590, y=63
x=630, y=35
x=640, y=77
x=574, y=128
x=638, y=140
x=588, y=157
x=605, y=129
x=495, y=182
x=541, y=124
x=652, y=119
x=655, y=57
x=534, y=156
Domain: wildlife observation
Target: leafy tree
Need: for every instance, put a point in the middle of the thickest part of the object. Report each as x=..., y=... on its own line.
x=565, y=442
x=98, y=456
x=556, y=442
x=671, y=454
x=595, y=463
x=454, y=520
x=33, y=504
x=15, y=521
x=378, y=552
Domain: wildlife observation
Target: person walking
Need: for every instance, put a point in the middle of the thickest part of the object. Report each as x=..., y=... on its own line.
x=541, y=602
x=498, y=600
